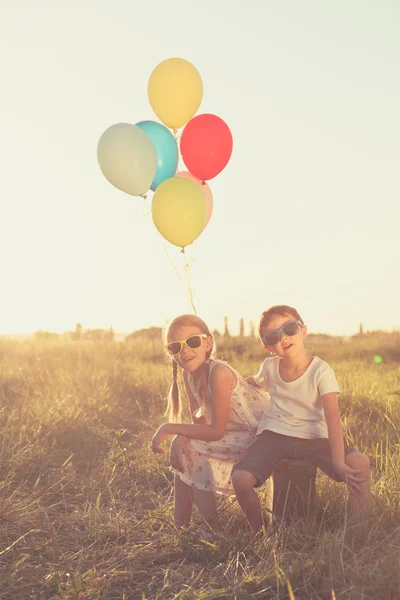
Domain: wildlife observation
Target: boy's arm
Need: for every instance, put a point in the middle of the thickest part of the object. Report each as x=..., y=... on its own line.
x=258, y=380
x=335, y=435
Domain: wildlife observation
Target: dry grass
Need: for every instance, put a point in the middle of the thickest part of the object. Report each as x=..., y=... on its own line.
x=86, y=509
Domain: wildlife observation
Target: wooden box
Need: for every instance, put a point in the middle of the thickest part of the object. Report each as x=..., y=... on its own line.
x=294, y=488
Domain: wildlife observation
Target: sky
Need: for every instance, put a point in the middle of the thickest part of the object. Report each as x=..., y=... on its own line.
x=306, y=213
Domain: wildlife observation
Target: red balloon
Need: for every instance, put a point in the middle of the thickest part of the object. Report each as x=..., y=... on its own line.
x=206, y=146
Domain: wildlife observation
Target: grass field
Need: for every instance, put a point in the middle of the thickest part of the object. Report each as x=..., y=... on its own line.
x=86, y=508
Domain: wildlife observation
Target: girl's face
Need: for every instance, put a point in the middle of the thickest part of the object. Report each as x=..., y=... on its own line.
x=188, y=358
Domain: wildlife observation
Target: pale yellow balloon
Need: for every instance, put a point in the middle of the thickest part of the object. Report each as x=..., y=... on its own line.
x=179, y=211
x=175, y=91
x=127, y=158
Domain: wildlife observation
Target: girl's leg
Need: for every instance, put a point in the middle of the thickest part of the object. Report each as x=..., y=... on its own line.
x=183, y=495
x=360, y=503
x=244, y=483
x=206, y=503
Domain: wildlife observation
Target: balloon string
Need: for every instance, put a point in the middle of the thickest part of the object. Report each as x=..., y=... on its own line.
x=176, y=136
x=146, y=208
x=174, y=265
x=187, y=268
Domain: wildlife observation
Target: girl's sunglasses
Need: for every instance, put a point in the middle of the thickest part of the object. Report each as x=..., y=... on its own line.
x=273, y=337
x=193, y=341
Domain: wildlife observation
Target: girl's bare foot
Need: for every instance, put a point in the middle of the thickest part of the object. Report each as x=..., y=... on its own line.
x=206, y=534
x=254, y=533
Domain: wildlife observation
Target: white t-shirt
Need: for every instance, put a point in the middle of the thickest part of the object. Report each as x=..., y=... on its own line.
x=295, y=407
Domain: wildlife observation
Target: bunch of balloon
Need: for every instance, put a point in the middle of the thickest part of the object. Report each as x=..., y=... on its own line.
x=142, y=157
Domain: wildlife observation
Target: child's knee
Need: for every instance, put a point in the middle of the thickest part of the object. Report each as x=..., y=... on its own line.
x=243, y=481
x=358, y=461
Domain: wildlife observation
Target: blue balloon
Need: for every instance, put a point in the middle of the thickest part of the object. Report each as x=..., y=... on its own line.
x=166, y=150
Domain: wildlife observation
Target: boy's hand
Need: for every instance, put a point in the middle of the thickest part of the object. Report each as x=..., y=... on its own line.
x=251, y=380
x=351, y=478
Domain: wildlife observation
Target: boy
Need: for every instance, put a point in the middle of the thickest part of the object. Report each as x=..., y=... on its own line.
x=302, y=421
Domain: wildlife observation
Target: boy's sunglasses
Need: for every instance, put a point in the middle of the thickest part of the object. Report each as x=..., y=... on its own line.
x=273, y=337
x=193, y=341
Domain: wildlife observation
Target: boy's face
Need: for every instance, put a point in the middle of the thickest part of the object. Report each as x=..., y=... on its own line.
x=288, y=345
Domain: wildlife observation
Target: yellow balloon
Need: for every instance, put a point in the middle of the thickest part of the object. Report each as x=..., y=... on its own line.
x=179, y=210
x=175, y=90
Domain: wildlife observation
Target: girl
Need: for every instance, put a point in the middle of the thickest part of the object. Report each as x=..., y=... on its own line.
x=225, y=412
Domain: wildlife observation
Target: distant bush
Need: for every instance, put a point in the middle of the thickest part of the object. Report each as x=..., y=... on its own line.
x=151, y=333
x=99, y=335
x=46, y=335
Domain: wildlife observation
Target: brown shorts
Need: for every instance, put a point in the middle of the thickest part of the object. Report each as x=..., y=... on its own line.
x=270, y=447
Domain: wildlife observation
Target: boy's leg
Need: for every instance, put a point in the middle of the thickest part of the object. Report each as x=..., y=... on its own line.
x=244, y=483
x=360, y=500
x=183, y=496
x=255, y=468
x=318, y=452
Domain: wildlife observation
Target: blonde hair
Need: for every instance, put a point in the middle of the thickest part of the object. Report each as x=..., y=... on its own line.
x=174, y=406
x=281, y=310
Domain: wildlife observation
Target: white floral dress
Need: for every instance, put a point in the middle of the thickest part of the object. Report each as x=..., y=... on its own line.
x=208, y=465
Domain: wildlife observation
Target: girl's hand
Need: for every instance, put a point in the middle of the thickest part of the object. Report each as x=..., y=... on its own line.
x=159, y=438
x=176, y=452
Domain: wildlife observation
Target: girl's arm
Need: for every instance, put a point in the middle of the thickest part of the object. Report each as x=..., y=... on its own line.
x=193, y=404
x=222, y=382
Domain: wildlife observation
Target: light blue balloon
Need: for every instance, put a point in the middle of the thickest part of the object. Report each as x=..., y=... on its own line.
x=166, y=150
